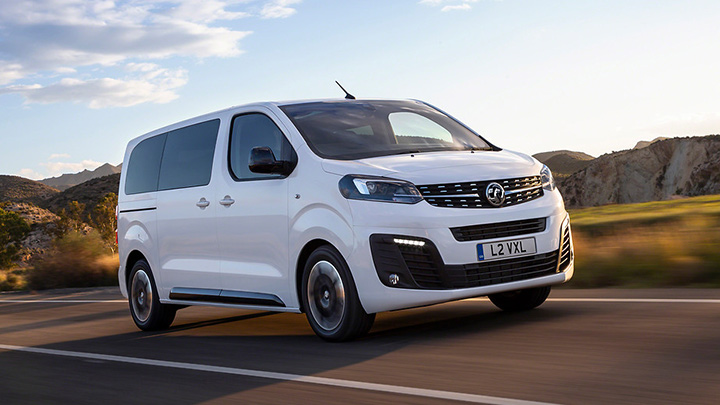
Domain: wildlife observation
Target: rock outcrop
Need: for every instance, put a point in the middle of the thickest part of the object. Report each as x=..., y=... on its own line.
x=660, y=171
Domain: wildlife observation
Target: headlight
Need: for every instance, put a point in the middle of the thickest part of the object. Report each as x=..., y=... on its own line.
x=379, y=189
x=546, y=177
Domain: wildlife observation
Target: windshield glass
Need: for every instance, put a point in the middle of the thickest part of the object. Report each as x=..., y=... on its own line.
x=358, y=129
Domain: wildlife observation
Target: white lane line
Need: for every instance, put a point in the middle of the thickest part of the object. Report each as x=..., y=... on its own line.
x=628, y=300
x=392, y=389
x=41, y=301
x=619, y=300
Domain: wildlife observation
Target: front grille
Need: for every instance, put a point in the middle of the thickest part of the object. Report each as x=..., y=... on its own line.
x=503, y=271
x=498, y=229
x=423, y=267
x=566, y=251
x=472, y=194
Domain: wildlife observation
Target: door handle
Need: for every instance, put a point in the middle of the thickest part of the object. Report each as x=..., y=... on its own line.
x=227, y=201
x=203, y=203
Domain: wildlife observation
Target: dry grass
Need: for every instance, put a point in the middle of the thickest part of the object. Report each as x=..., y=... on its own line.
x=77, y=261
x=659, y=244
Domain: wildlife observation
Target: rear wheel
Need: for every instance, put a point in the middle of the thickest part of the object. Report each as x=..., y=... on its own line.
x=330, y=298
x=521, y=300
x=145, y=307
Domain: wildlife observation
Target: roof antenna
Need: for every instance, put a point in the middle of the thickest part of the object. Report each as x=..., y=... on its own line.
x=347, y=95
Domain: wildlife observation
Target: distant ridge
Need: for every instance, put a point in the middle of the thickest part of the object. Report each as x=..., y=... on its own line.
x=69, y=180
x=564, y=162
x=88, y=193
x=645, y=144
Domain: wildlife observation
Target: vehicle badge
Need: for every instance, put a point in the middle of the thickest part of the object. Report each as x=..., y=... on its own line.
x=495, y=194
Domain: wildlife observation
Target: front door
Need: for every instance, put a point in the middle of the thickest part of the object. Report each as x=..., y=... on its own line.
x=252, y=218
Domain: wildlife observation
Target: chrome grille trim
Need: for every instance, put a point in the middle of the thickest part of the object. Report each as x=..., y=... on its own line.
x=472, y=194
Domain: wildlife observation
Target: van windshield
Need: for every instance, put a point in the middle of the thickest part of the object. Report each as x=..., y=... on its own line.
x=357, y=129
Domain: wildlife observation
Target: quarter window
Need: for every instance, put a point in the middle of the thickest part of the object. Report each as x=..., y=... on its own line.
x=144, y=166
x=256, y=130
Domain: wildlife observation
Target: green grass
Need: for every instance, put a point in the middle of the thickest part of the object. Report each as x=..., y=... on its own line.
x=615, y=216
x=658, y=244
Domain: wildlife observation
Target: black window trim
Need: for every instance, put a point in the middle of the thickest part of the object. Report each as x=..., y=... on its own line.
x=229, y=150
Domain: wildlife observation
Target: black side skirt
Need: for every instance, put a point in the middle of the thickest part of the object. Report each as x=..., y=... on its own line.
x=225, y=297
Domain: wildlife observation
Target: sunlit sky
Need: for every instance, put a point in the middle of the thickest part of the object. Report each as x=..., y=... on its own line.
x=79, y=78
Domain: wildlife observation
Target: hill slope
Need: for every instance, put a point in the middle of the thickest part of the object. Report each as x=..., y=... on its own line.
x=664, y=169
x=564, y=162
x=20, y=189
x=88, y=193
x=68, y=180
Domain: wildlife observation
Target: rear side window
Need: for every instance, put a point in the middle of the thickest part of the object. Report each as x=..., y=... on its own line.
x=188, y=156
x=144, y=166
x=177, y=159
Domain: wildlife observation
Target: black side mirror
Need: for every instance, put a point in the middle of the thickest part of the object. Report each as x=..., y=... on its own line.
x=262, y=160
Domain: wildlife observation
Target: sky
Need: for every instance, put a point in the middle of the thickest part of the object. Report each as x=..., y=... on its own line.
x=80, y=78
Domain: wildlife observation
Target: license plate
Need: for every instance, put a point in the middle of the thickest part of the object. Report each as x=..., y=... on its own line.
x=506, y=249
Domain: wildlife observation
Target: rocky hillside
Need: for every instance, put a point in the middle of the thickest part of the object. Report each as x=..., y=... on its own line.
x=68, y=180
x=88, y=193
x=660, y=171
x=564, y=162
x=42, y=225
x=20, y=189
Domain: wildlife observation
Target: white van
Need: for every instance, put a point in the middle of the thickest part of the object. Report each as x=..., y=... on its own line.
x=336, y=208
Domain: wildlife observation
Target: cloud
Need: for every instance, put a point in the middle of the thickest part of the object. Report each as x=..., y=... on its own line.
x=56, y=156
x=153, y=84
x=450, y=5
x=58, y=168
x=464, y=6
x=278, y=9
x=30, y=174
x=44, y=39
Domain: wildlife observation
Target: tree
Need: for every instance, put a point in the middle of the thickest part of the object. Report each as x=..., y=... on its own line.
x=13, y=229
x=103, y=219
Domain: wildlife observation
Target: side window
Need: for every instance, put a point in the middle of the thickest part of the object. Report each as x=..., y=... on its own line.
x=188, y=156
x=144, y=166
x=411, y=128
x=254, y=130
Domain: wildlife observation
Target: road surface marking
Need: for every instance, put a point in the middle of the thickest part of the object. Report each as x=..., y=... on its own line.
x=393, y=389
x=619, y=300
x=41, y=301
x=628, y=300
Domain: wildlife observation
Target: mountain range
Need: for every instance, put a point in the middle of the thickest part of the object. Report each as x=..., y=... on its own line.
x=68, y=180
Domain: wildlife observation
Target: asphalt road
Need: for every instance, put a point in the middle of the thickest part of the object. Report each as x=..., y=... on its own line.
x=580, y=347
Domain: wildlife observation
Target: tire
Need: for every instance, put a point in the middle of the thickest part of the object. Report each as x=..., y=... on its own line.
x=521, y=300
x=145, y=307
x=330, y=298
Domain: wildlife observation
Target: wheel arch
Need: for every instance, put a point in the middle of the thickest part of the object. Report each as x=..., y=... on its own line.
x=305, y=252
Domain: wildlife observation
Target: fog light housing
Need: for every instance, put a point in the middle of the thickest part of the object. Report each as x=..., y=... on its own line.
x=394, y=279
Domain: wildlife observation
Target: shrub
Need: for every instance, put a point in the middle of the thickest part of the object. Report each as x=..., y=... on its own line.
x=13, y=229
x=76, y=260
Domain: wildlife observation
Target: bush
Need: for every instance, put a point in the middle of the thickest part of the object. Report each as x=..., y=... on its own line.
x=13, y=229
x=76, y=260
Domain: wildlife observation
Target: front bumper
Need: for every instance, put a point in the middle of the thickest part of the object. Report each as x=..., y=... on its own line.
x=393, y=276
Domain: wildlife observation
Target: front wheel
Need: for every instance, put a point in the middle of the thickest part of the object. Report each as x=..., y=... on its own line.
x=521, y=300
x=330, y=298
x=145, y=307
